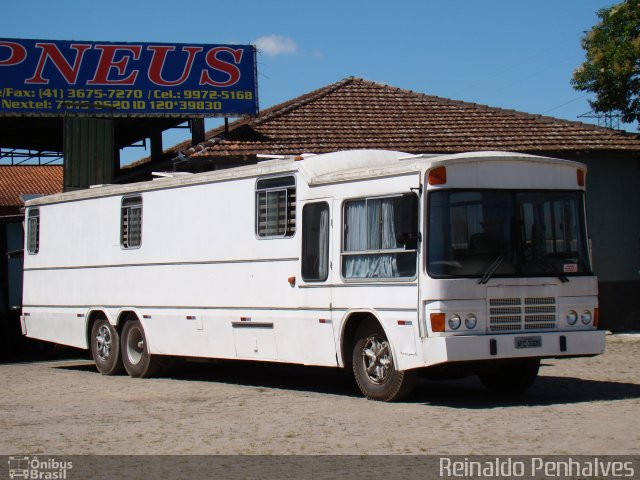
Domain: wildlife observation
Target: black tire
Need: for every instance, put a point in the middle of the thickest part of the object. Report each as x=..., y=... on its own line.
x=105, y=348
x=512, y=378
x=137, y=360
x=374, y=368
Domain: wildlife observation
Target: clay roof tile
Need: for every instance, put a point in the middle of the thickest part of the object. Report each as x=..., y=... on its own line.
x=356, y=113
x=16, y=180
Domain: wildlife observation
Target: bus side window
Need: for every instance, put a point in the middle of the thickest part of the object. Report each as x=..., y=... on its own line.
x=370, y=245
x=276, y=207
x=33, y=231
x=315, y=242
x=131, y=222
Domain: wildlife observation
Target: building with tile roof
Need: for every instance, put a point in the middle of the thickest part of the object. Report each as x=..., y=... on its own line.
x=356, y=113
x=18, y=180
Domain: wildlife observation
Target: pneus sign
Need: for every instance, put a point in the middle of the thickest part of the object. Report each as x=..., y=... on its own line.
x=56, y=78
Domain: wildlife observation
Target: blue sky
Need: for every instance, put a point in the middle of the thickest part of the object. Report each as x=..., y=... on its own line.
x=503, y=53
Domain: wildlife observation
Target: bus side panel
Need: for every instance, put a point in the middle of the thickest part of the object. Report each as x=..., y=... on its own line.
x=64, y=326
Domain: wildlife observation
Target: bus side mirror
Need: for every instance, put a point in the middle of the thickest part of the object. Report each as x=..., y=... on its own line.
x=408, y=234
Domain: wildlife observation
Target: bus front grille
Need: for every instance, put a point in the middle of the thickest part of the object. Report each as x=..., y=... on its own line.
x=509, y=315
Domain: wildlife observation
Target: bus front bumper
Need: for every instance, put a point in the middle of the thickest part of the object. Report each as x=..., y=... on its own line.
x=522, y=345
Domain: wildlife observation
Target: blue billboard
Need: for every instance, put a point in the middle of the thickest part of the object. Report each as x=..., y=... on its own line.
x=61, y=78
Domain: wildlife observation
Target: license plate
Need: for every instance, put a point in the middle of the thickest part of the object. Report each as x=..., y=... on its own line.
x=528, y=342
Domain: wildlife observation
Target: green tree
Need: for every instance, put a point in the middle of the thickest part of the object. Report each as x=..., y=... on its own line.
x=612, y=66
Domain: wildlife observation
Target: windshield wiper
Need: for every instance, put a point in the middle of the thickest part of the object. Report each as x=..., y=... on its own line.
x=491, y=270
x=550, y=268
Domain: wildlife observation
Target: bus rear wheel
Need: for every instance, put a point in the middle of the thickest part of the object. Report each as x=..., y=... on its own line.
x=374, y=368
x=512, y=378
x=105, y=348
x=137, y=360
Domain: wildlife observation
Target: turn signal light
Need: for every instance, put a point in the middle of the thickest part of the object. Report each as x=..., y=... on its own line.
x=437, y=322
x=596, y=311
x=580, y=174
x=438, y=176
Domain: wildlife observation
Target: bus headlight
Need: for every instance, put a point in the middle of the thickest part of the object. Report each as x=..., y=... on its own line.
x=454, y=322
x=585, y=318
x=470, y=321
x=572, y=317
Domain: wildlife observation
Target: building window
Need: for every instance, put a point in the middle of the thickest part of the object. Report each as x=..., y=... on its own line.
x=33, y=231
x=315, y=242
x=131, y=222
x=276, y=207
x=370, y=242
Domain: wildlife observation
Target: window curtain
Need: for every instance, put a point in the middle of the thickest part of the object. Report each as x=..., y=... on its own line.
x=323, y=244
x=370, y=226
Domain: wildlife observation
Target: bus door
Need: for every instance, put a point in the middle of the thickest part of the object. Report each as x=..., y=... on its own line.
x=315, y=285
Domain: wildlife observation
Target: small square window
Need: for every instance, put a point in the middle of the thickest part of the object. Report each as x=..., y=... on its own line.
x=276, y=207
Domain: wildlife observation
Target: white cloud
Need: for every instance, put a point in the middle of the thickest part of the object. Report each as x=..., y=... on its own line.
x=273, y=45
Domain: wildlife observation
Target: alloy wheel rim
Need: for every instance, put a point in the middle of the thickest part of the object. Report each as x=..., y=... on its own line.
x=103, y=342
x=378, y=362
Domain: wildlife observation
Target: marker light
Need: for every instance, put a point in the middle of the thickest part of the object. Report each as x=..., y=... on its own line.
x=438, y=176
x=572, y=317
x=580, y=175
x=437, y=322
x=454, y=322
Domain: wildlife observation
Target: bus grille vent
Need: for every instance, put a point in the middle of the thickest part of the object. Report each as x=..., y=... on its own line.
x=522, y=314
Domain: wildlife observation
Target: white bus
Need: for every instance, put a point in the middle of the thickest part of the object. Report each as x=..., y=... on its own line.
x=389, y=264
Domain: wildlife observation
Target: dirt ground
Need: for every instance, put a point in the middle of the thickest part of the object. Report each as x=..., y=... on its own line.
x=64, y=407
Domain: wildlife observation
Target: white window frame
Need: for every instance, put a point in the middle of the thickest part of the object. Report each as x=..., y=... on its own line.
x=344, y=253
x=290, y=207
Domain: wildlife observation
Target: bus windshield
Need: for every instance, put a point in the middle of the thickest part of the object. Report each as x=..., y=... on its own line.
x=485, y=233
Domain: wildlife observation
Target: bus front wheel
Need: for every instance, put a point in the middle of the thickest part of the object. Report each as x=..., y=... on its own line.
x=138, y=362
x=374, y=368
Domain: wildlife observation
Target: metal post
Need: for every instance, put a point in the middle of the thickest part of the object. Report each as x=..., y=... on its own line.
x=197, y=131
x=89, y=152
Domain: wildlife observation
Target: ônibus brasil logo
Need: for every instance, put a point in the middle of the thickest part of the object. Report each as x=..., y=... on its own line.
x=34, y=468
